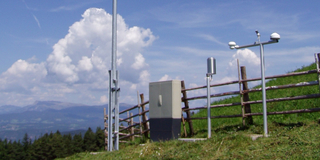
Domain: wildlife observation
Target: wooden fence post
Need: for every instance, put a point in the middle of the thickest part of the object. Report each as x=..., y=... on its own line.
x=317, y=58
x=246, y=98
x=241, y=95
x=128, y=121
x=144, y=117
x=139, y=108
x=184, y=125
x=186, y=105
x=132, y=128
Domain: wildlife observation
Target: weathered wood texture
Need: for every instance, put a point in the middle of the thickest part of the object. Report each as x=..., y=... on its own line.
x=247, y=108
x=186, y=106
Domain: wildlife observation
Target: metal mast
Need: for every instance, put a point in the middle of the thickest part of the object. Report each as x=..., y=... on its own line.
x=113, y=108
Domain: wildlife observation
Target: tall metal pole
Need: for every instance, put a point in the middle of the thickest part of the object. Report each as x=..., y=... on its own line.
x=263, y=83
x=113, y=109
x=208, y=106
x=264, y=103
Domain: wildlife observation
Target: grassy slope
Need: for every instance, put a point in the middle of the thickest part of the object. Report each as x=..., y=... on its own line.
x=273, y=106
x=294, y=136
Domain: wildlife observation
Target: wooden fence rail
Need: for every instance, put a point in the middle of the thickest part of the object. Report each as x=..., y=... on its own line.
x=141, y=128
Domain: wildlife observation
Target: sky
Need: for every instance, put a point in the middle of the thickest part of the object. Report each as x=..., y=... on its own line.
x=61, y=50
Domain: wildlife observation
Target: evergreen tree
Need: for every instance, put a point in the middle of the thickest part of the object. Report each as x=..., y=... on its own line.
x=100, y=138
x=17, y=150
x=77, y=143
x=26, y=142
x=67, y=141
x=36, y=149
x=9, y=150
x=57, y=145
x=2, y=149
x=32, y=150
x=90, y=141
x=42, y=148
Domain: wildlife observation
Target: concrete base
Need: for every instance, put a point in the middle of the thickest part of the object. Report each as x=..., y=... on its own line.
x=162, y=129
x=256, y=136
x=192, y=139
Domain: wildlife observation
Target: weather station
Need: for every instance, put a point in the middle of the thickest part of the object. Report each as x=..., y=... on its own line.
x=274, y=38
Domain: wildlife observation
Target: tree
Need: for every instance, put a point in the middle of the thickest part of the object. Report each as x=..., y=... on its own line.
x=26, y=143
x=17, y=150
x=77, y=143
x=2, y=149
x=67, y=141
x=42, y=148
x=100, y=138
x=89, y=141
x=57, y=145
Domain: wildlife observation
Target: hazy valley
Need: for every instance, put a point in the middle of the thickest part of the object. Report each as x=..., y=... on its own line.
x=49, y=116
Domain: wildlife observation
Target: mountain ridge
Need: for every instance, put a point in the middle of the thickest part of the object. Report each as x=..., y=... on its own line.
x=49, y=116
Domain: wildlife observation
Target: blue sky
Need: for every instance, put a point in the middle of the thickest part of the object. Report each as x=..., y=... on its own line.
x=60, y=50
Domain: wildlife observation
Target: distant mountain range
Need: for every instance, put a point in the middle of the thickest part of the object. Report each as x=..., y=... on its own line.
x=49, y=116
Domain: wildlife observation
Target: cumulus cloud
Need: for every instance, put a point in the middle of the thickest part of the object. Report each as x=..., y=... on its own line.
x=22, y=76
x=80, y=61
x=164, y=78
x=246, y=58
x=87, y=47
x=104, y=99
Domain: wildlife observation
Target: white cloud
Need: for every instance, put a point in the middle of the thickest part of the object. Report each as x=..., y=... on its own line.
x=164, y=78
x=144, y=77
x=246, y=58
x=22, y=76
x=104, y=99
x=139, y=62
x=36, y=19
x=211, y=38
x=85, y=64
x=79, y=63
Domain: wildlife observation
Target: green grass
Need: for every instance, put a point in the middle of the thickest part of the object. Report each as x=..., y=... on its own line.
x=199, y=125
x=292, y=136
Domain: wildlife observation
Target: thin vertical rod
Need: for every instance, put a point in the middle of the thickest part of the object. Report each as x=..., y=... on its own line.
x=114, y=36
x=116, y=114
x=110, y=117
x=264, y=103
x=208, y=106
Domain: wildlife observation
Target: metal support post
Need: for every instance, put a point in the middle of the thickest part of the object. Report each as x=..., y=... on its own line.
x=264, y=103
x=208, y=106
x=113, y=108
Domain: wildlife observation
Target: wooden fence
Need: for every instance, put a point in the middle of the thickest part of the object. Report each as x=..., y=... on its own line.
x=141, y=128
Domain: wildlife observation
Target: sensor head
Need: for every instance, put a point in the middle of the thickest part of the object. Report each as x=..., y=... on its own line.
x=275, y=36
x=232, y=44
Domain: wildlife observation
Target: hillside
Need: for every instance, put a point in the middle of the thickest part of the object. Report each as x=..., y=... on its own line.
x=272, y=106
x=292, y=136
